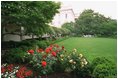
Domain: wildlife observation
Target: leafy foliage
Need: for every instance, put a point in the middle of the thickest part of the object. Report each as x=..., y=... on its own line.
x=32, y=15
x=90, y=22
x=102, y=68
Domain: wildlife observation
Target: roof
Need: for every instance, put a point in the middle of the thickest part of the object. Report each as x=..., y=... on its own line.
x=66, y=8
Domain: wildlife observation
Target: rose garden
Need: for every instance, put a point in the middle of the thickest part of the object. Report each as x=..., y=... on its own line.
x=84, y=49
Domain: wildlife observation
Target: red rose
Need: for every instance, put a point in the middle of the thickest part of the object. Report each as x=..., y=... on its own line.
x=54, y=53
x=40, y=50
x=50, y=48
x=31, y=51
x=43, y=63
x=47, y=50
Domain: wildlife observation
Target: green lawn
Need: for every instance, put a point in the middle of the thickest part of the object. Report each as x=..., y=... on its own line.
x=92, y=47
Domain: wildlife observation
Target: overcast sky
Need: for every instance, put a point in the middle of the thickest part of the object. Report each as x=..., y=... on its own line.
x=107, y=8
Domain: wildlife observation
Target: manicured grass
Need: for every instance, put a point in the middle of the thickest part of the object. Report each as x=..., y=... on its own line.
x=92, y=47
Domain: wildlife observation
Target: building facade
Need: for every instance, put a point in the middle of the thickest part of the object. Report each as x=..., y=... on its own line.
x=64, y=15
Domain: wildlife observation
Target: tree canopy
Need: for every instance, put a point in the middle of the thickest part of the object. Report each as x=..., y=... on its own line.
x=34, y=16
x=90, y=22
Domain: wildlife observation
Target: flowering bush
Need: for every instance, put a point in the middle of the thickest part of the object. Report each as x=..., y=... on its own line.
x=11, y=71
x=43, y=60
x=72, y=63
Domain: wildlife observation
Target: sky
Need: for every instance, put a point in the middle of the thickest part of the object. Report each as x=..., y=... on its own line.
x=107, y=8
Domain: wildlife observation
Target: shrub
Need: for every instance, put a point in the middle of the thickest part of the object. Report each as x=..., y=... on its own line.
x=75, y=64
x=105, y=71
x=82, y=67
x=102, y=67
x=42, y=44
x=13, y=56
x=99, y=60
x=42, y=61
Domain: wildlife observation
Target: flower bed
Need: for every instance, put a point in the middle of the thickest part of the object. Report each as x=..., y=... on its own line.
x=47, y=62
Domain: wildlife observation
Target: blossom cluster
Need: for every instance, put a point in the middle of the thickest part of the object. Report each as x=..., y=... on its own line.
x=12, y=71
x=48, y=53
x=42, y=60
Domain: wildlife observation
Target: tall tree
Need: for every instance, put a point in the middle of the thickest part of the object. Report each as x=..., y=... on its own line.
x=90, y=22
x=34, y=16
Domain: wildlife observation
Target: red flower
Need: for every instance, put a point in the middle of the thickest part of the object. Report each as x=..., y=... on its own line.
x=28, y=73
x=31, y=51
x=40, y=50
x=43, y=63
x=22, y=69
x=62, y=47
x=10, y=67
x=50, y=48
x=47, y=50
x=3, y=69
x=54, y=53
x=22, y=72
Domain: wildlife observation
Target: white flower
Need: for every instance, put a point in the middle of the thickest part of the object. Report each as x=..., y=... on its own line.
x=85, y=63
x=12, y=76
x=28, y=53
x=6, y=72
x=68, y=56
x=80, y=55
x=75, y=50
x=74, y=62
x=82, y=65
x=1, y=73
x=71, y=61
x=16, y=70
x=61, y=59
x=42, y=52
x=84, y=60
x=61, y=55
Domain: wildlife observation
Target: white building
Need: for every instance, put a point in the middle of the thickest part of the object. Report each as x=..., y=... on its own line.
x=66, y=14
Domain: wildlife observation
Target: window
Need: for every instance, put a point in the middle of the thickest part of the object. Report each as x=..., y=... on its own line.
x=66, y=16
